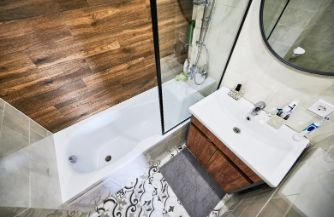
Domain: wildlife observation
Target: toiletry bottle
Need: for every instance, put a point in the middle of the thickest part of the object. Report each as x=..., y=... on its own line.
x=236, y=93
x=310, y=128
x=287, y=110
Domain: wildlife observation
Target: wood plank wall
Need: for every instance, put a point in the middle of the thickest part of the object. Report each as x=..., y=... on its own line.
x=173, y=20
x=62, y=61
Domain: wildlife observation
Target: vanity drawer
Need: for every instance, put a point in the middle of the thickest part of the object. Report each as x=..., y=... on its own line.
x=218, y=166
x=227, y=152
x=228, y=177
x=200, y=146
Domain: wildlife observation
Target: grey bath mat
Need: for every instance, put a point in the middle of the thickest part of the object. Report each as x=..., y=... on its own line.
x=196, y=190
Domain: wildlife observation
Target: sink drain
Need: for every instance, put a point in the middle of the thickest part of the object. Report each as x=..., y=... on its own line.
x=236, y=130
x=107, y=158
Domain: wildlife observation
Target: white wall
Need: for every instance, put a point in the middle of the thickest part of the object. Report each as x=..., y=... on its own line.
x=266, y=78
x=226, y=18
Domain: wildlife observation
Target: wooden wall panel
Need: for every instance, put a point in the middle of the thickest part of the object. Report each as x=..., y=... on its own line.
x=174, y=17
x=62, y=61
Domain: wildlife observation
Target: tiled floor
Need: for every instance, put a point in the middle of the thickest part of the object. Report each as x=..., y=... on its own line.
x=194, y=187
x=148, y=195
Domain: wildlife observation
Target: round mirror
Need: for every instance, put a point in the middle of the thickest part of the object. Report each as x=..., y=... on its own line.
x=300, y=33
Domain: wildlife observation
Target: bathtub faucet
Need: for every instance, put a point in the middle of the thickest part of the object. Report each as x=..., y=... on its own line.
x=259, y=106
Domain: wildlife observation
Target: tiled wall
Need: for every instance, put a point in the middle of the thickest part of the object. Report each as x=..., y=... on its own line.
x=306, y=191
x=272, y=11
x=17, y=130
x=227, y=16
x=308, y=188
x=317, y=40
x=29, y=176
x=266, y=78
x=288, y=31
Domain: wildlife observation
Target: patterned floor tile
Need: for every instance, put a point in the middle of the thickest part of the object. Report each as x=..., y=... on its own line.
x=149, y=195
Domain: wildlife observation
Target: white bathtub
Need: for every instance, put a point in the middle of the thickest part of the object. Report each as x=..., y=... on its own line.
x=124, y=132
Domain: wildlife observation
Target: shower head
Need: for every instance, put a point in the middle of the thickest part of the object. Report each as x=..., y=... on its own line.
x=200, y=2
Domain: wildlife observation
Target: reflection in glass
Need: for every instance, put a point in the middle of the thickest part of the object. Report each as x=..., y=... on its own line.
x=301, y=32
x=188, y=30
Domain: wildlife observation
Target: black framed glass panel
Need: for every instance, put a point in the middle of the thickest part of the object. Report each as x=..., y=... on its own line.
x=193, y=42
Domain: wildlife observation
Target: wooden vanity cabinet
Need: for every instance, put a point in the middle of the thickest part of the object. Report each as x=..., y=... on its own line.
x=221, y=163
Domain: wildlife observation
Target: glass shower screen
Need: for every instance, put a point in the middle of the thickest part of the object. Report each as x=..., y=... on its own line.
x=187, y=35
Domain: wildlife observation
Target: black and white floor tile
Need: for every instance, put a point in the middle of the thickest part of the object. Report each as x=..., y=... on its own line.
x=148, y=196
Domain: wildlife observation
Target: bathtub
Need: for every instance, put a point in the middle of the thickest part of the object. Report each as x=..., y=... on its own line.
x=101, y=145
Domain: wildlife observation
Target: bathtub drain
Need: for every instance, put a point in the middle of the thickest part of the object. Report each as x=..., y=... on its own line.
x=73, y=159
x=107, y=158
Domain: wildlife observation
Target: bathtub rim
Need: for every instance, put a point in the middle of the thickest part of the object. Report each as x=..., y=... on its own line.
x=71, y=184
x=69, y=193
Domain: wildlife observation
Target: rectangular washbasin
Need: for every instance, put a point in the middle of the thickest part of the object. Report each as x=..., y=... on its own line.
x=269, y=152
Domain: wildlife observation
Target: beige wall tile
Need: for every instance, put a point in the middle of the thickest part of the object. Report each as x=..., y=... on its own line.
x=16, y=120
x=251, y=202
x=14, y=181
x=10, y=211
x=277, y=207
x=43, y=172
x=294, y=212
x=11, y=141
x=222, y=30
x=266, y=78
x=2, y=104
x=37, y=132
x=24, y=166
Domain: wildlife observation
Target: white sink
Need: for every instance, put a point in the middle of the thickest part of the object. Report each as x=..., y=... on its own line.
x=269, y=152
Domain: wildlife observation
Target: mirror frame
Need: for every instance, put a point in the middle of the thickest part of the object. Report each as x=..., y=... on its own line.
x=312, y=71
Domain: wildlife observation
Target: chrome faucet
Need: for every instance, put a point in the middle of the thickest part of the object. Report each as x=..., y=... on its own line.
x=259, y=106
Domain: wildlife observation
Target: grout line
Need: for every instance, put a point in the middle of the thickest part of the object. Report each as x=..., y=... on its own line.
x=29, y=132
x=30, y=194
x=291, y=204
x=266, y=203
x=29, y=187
x=19, y=213
x=3, y=116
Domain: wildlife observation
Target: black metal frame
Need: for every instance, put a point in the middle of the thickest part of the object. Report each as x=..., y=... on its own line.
x=155, y=29
x=278, y=19
x=278, y=56
x=154, y=17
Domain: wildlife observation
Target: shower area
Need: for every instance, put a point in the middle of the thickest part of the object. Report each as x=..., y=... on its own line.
x=106, y=81
x=182, y=80
x=193, y=41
